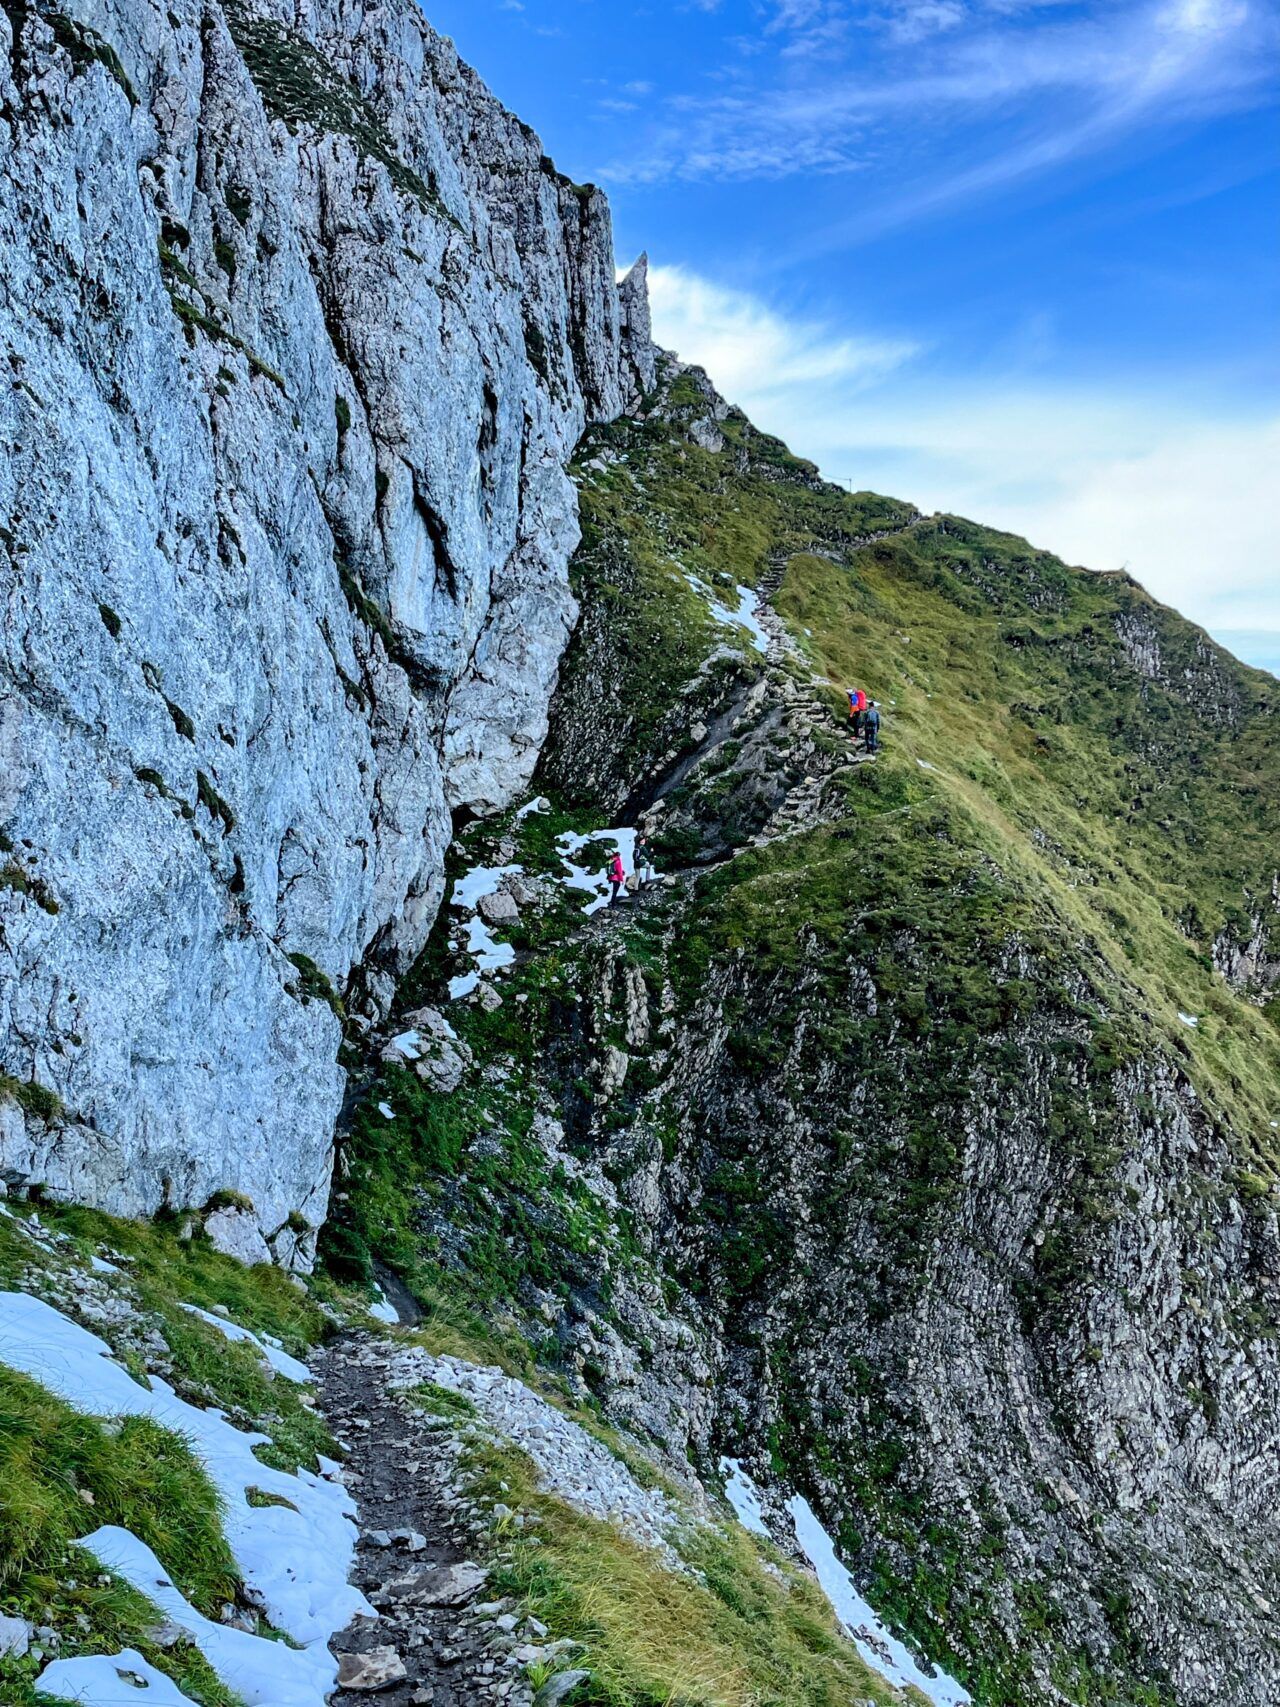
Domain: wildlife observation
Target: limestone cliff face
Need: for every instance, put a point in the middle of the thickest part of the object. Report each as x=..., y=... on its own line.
x=301, y=328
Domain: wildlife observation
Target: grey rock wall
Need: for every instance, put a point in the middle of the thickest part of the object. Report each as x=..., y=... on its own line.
x=301, y=328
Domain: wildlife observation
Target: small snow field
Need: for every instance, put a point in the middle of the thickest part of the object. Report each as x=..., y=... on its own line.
x=261, y=1672
x=743, y=1495
x=383, y=1310
x=123, y=1681
x=481, y=880
x=280, y=1361
x=593, y=881
x=294, y=1556
x=488, y=953
x=875, y=1643
x=744, y=616
x=878, y=1647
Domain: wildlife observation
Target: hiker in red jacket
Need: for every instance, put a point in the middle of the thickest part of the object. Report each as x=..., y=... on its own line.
x=617, y=876
x=857, y=707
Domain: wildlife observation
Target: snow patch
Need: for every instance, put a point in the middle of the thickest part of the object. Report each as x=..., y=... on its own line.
x=743, y=1495
x=383, y=1310
x=125, y=1681
x=746, y=615
x=489, y=954
x=261, y=1672
x=386, y=1111
x=295, y=1556
x=593, y=882
x=279, y=1360
x=472, y=887
x=539, y=803
x=1188, y=1019
x=874, y=1642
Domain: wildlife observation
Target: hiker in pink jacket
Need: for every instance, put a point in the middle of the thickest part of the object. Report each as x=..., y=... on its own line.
x=617, y=877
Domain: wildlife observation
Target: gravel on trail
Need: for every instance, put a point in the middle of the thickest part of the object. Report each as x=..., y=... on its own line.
x=442, y=1639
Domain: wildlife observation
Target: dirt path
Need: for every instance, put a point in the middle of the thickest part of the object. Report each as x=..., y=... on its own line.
x=419, y=1554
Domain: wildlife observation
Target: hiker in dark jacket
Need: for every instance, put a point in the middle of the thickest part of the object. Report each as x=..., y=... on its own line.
x=871, y=723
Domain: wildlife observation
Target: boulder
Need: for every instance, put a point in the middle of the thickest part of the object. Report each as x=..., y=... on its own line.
x=15, y=1637
x=380, y=1668
x=558, y=1688
x=235, y=1232
x=436, y=1585
x=498, y=909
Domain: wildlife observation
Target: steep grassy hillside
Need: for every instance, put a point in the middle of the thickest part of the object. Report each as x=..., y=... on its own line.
x=915, y=1141
x=1092, y=739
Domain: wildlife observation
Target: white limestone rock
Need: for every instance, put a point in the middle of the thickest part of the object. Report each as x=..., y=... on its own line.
x=15, y=1637
x=301, y=334
x=235, y=1232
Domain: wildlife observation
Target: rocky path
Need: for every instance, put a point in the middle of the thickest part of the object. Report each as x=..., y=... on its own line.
x=442, y=1640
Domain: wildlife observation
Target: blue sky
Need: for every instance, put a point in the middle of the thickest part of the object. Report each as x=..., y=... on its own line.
x=1018, y=259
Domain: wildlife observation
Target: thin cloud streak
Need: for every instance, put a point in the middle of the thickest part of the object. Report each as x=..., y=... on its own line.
x=747, y=347
x=1049, y=91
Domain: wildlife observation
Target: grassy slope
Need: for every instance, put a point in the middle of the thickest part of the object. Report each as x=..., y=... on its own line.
x=1040, y=793
x=63, y=1475
x=1140, y=817
x=1107, y=825
x=749, y=1630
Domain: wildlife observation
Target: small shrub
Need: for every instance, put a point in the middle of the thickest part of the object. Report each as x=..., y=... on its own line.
x=181, y=722
x=316, y=985
x=239, y=203
x=22, y=882
x=34, y=1099
x=214, y=804
x=442, y=1402
x=225, y=1198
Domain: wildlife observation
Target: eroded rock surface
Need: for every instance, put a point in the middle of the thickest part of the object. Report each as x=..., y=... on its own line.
x=302, y=327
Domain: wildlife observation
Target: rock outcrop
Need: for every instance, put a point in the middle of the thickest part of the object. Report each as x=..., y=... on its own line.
x=302, y=328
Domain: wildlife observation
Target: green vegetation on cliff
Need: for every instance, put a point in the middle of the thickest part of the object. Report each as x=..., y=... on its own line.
x=933, y=1098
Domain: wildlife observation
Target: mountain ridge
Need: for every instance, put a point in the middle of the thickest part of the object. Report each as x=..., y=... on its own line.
x=912, y=1144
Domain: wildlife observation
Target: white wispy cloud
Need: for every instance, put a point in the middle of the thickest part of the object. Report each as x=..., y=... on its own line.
x=1177, y=490
x=751, y=349
x=1022, y=85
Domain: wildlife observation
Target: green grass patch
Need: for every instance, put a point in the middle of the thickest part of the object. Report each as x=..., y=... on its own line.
x=742, y=1636
x=442, y=1402
x=63, y=1475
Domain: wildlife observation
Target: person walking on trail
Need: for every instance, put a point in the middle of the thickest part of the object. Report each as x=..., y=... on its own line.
x=871, y=723
x=645, y=873
x=857, y=711
x=617, y=877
